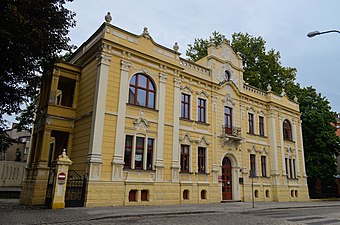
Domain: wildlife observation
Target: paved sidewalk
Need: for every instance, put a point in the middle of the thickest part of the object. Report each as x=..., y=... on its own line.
x=13, y=213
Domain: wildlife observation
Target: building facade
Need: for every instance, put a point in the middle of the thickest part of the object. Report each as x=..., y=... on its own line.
x=19, y=149
x=148, y=127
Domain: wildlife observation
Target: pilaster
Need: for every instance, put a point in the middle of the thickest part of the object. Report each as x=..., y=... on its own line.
x=273, y=146
x=177, y=113
x=302, y=151
x=94, y=157
x=297, y=161
x=118, y=157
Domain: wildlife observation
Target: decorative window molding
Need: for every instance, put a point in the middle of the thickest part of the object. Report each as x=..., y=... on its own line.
x=228, y=101
x=202, y=94
x=186, y=139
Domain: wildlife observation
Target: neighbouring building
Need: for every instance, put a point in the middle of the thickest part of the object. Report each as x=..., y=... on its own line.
x=148, y=127
x=19, y=149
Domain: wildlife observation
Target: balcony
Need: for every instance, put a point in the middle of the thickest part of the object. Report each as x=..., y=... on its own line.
x=231, y=134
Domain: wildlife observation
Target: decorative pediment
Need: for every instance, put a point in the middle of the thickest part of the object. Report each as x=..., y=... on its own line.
x=251, y=109
x=202, y=141
x=187, y=89
x=202, y=94
x=252, y=150
x=141, y=124
x=228, y=100
x=186, y=138
x=264, y=151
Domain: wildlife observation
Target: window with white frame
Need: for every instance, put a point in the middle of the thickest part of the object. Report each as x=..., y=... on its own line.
x=201, y=110
x=264, y=166
x=261, y=126
x=185, y=106
x=138, y=152
x=201, y=154
x=251, y=129
x=185, y=158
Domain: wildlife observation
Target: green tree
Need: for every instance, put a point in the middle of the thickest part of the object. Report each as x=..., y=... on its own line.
x=321, y=144
x=32, y=34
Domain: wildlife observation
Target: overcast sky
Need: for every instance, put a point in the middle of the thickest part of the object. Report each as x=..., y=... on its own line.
x=283, y=24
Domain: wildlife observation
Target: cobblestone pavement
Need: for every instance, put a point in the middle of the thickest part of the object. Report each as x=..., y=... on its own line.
x=315, y=213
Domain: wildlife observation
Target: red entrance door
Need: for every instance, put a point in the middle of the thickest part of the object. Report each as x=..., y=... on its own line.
x=226, y=180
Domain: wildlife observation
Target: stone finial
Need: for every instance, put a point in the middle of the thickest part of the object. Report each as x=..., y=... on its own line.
x=145, y=31
x=64, y=152
x=108, y=17
x=283, y=93
x=295, y=99
x=175, y=47
x=269, y=88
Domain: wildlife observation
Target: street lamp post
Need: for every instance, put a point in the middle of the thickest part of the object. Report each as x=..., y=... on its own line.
x=315, y=33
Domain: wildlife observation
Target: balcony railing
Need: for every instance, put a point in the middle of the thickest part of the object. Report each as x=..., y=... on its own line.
x=230, y=134
x=231, y=131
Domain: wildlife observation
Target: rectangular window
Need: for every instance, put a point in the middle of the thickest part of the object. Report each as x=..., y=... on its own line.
x=261, y=126
x=128, y=151
x=290, y=168
x=201, y=160
x=228, y=125
x=251, y=123
x=264, y=166
x=201, y=114
x=139, y=153
x=184, y=158
x=294, y=169
x=142, y=156
x=287, y=168
x=149, y=156
x=253, y=163
x=185, y=106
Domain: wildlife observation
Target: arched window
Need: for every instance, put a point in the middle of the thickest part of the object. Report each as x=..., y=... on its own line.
x=287, y=130
x=142, y=91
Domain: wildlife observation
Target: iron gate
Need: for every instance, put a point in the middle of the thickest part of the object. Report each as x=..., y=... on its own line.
x=75, y=190
x=49, y=189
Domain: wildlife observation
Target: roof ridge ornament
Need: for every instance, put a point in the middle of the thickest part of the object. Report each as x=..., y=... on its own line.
x=175, y=47
x=146, y=33
x=108, y=17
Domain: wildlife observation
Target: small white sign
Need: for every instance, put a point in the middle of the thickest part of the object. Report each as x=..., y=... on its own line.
x=138, y=158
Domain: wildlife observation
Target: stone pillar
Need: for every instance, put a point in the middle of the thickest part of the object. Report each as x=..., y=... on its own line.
x=284, y=170
x=118, y=156
x=297, y=162
x=159, y=165
x=94, y=157
x=54, y=86
x=75, y=94
x=273, y=146
x=302, y=152
x=175, y=165
x=44, y=149
x=58, y=195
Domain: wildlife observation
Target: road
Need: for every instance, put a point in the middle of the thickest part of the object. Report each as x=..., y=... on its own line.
x=238, y=213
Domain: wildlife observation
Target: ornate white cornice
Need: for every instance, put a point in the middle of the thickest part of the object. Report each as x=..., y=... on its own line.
x=125, y=65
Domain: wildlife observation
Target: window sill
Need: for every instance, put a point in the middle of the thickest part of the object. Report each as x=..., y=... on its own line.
x=253, y=134
x=203, y=123
x=140, y=106
x=186, y=120
x=185, y=172
x=202, y=173
x=289, y=140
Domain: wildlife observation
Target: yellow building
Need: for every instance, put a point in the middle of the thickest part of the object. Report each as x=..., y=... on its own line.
x=147, y=127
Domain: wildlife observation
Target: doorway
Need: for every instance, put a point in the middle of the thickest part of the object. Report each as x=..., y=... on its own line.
x=227, y=190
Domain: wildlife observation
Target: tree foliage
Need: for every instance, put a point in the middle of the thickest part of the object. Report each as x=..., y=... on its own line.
x=32, y=33
x=262, y=67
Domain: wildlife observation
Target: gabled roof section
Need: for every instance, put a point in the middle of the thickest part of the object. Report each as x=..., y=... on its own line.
x=115, y=36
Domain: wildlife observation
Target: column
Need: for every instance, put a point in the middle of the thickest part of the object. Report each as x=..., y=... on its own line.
x=159, y=165
x=44, y=148
x=54, y=86
x=175, y=144
x=273, y=144
x=94, y=157
x=284, y=171
x=297, y=163
x=118, y=157
x=75, y=94
x=302, y=151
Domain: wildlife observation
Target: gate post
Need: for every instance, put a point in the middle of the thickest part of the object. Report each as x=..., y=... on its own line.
x=62, y=166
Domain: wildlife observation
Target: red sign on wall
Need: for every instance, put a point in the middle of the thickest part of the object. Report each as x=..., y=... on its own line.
x=61, y=178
